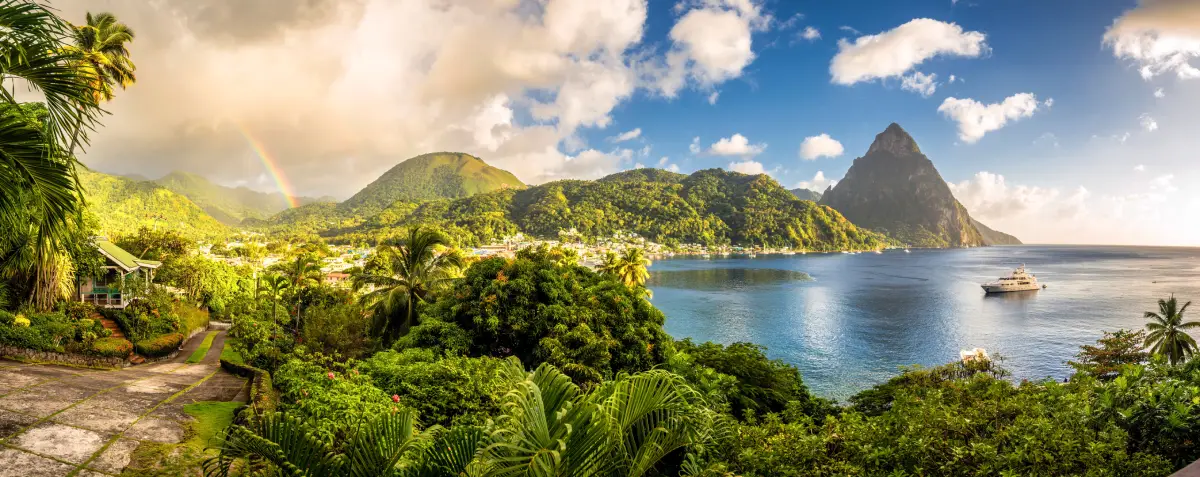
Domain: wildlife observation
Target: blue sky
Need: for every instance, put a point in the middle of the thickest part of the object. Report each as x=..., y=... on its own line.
x=1068, y=121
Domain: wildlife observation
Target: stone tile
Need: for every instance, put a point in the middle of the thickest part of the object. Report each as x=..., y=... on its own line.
x=152, y=386
x=110, y=421
x=35, y=403
x=157, y=430
x=48, y=371
x=15, y=463
x=90, y=473
x=196, y=370
x=116, y=457
x=122, y=401
x=10, y=381
x=62, y=442
x=12, y=423
x=172, y=411
x=160, y=367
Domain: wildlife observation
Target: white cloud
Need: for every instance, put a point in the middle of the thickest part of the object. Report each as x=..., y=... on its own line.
x=673, y=168
x=1161, y=36
x=1049, y=103
x=736, y=145
x=747, y=167
x=645, y=151
x=896, y=52
x=849, y=29
x=694, y=147
x=712, y=98
x=952, y=79
x=1139, y=168
x=920, y=83
x=818, y=183
x=988, y=196
x=515, y=85
x=1148, y=123
x=711, y=43
x=820, y=146
x=1163, y=183
x=791, y=22
x=627, y=135
x=1159, y=93
x=810, y=34
x=976, y=119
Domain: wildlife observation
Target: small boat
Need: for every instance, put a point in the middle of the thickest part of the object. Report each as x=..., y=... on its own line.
x=1019, y=280
x=878, y=252
x=906, y=250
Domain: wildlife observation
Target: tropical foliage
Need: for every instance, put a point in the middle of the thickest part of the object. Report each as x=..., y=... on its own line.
x=1168, y=335
x=403, y=277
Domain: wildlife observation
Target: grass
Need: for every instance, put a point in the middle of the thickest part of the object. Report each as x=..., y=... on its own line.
x=203, y=349
x=212, y=417
x=231, y=355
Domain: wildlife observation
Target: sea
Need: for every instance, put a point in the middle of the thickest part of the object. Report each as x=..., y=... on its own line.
x=851, y=321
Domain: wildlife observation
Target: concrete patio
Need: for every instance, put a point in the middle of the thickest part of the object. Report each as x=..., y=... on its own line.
x=56, y=420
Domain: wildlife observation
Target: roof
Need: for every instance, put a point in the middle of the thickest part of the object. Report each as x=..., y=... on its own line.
x=123, y=259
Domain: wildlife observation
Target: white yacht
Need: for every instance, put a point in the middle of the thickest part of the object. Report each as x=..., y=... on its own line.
x=1020, y=280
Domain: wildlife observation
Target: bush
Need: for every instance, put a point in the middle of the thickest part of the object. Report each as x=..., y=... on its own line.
x=190, y=317
x=161, y=345
x=334, y=402
x=28, y=337
x=21, y=321
x=112, y=347
x=337, y=330
x=443, y=390
x=76, y=310
x=6, y=318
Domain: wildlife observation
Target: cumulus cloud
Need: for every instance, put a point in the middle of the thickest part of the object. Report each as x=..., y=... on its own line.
x=747, y=167
x=711, y=43
x=736, y=145
x=988, y=196
x=920, y=83
x=1139, y=168
x=1148, y=123
x=819, y=183
x=896, y=52
x=952, y=79
x=976, y=119
x=814, y=147
x=1159, y=93
x=712, y=98
x=627, y=135
x=1161, y=36
x=357, y=86
x=850, y=29
x=694, y=147
x=810, y=34
x=1163, y=183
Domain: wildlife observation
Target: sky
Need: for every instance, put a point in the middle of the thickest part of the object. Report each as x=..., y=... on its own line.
x=1059, y=121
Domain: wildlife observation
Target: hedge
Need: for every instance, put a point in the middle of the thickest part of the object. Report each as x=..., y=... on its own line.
x=161, y=345
x=113, y=347
x=262, y=394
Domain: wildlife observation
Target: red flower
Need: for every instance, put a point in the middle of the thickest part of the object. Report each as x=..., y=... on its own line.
x=330, y=375
x=395, y=398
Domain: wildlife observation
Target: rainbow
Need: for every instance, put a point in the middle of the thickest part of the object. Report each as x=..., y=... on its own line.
x=272, y=167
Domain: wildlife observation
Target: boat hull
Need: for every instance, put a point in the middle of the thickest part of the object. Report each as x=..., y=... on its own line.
x=1009, y=288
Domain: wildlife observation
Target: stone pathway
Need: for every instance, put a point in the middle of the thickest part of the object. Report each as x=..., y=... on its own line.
x=58, y=421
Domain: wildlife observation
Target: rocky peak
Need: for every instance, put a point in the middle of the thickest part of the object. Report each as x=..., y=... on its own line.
x=894, y=140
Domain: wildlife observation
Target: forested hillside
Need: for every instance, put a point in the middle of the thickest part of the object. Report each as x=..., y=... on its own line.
x=122, y=205
x=229, y=205
x=710, y=207
x=440, y=175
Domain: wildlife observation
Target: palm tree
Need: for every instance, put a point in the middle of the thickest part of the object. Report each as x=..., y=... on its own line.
x=100, y=47
x=40, y=196
x=547, y=426
x=404, y=276
x=631, y=267
x=274, y=287
x=1167, y=335
x=609, y=263
x=301, y=273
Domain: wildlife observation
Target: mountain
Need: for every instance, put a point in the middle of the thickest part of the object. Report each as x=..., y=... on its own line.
x=992, y=237
x=895, y=189
x=440, y=175
x=122, y=205
x=707, y=207
x=230, y=205
x=806, y=194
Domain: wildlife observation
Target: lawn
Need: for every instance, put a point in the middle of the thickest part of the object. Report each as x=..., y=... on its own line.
x=229, y=354
x=198, y=355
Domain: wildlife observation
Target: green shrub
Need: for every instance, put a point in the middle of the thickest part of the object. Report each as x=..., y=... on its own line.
x=76, y=310
x=6, y=318
x=161, y=345
x=334, y=402
x=337, y=330
x=27, y=337
x=190, y=317
x=443, y=390
x=112, y=347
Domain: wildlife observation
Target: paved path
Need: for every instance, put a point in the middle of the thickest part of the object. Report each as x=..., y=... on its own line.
x=56, y=420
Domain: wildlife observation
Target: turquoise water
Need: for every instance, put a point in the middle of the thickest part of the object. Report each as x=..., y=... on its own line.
x=850, y=321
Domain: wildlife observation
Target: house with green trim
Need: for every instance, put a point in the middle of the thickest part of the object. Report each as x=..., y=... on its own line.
x=124, y=277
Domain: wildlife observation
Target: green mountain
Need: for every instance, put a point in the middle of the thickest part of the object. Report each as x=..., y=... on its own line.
x=122, y=205
x=806, y=194
x=439, y=175
x=895, y=189
x=708, y=207
x=992, y=237
x=230, y=205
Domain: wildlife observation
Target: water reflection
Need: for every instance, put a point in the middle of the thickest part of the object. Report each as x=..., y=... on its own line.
x=724, y=279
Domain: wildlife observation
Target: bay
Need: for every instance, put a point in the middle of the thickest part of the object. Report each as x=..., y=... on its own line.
x=849, y=322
